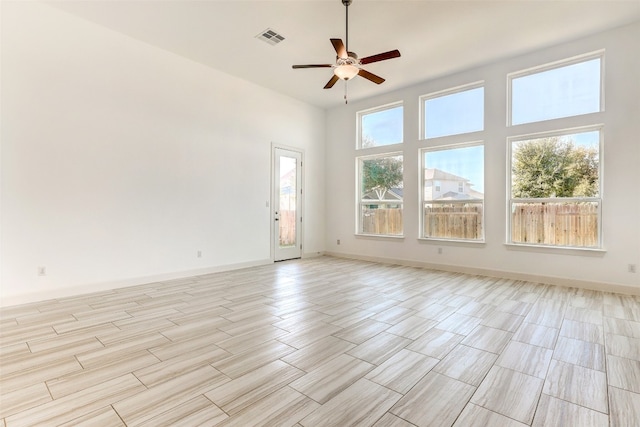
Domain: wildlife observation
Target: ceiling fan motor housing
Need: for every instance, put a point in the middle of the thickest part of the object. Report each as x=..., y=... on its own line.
x=348, y=65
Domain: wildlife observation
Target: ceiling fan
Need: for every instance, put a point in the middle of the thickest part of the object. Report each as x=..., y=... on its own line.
x=347, y=64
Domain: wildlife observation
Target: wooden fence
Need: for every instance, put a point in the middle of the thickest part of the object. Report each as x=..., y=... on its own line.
x=287, y=226
x=558, y=224
x=382, y=221
x=453, y=221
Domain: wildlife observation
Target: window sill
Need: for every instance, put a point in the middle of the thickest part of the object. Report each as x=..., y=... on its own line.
x=381, y=236
x=452, y=241
x=568, y=250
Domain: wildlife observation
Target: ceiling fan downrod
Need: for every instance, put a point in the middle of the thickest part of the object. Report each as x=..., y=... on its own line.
x=346, y=4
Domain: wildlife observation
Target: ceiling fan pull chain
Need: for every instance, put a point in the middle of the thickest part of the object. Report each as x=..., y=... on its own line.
x=345, y=93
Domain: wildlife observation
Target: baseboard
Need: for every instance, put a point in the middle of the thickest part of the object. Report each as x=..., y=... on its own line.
x=90, y=288
x=551, y=280
x=312, y=254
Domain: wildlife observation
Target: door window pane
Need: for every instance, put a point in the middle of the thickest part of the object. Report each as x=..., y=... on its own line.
x=288, y=193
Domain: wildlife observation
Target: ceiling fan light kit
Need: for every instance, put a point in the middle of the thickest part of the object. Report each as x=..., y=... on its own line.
x=347, y=64
x=346, y=71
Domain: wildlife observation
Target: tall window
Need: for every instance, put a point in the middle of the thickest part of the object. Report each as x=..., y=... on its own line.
x=453, y=192
x=380, y=190
x=380, y=126
x=452, y=171
x=452, y=112
x=555, y=176
x=555, y=189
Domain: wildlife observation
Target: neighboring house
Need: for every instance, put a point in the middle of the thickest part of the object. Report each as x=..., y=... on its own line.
x=441, y=185
x=390, y=195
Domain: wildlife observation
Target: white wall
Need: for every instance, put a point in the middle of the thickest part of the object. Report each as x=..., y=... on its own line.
x=621, y=206
x=120, y=160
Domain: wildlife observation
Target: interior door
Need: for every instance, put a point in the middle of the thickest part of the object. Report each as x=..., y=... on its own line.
x=287, y=202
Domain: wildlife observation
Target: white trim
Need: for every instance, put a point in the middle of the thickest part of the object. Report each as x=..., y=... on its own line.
x=550, y=280
x=91, y=288
x=307, y=255
x=443, y=240
x=381, y=236
x=568, y=250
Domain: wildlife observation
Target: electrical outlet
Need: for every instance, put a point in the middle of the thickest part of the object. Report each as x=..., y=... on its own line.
x=439, y=251
x=42, y=271
x=338, y=241
x=632, y=268
x=199, y=254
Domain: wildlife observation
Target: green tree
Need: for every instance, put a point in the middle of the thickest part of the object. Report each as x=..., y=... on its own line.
x=554, y=167
x=381, y=174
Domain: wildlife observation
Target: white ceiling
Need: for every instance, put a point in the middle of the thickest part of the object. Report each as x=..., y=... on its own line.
x=434, y=37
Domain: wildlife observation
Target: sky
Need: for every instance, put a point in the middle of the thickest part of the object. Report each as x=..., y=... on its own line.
x=453, y=114
x=560, y=92
x=555, y=93
x=467, y=162
x=385, y=127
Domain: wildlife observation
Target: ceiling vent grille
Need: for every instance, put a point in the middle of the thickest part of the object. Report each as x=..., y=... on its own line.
x=270, y=36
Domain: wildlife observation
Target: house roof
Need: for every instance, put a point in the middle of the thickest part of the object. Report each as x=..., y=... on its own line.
x=391, y=194
x=437, y=174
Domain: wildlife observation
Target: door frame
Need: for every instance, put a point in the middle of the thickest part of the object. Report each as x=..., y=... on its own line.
x=273, y=234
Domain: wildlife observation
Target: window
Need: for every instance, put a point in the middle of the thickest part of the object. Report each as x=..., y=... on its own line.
x=380, y=126
x=570, y=88
x=453, y=192
x=554, y=176
x=555, y=192
x=452, y=112
x=380, y=195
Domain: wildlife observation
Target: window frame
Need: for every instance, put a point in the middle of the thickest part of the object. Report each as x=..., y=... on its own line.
x=421, y=197
x=598, y=54
x=511, y=201
x=422, y=126
x=360, y=201
x=362, y=113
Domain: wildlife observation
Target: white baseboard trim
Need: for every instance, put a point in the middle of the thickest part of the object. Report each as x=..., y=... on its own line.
x=312, y=254
x=551, y=280
x=90, y=288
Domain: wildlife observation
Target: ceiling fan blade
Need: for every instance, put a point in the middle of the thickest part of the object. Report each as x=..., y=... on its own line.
x=313, y=66
x=380, y=57
x=339, y=47
x=370, y=76
x=331, y=82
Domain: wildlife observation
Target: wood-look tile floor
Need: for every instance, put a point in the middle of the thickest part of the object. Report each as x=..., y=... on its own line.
x=324, y=342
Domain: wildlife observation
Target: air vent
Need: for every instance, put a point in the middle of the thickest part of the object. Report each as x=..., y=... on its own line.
x=270, y=36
